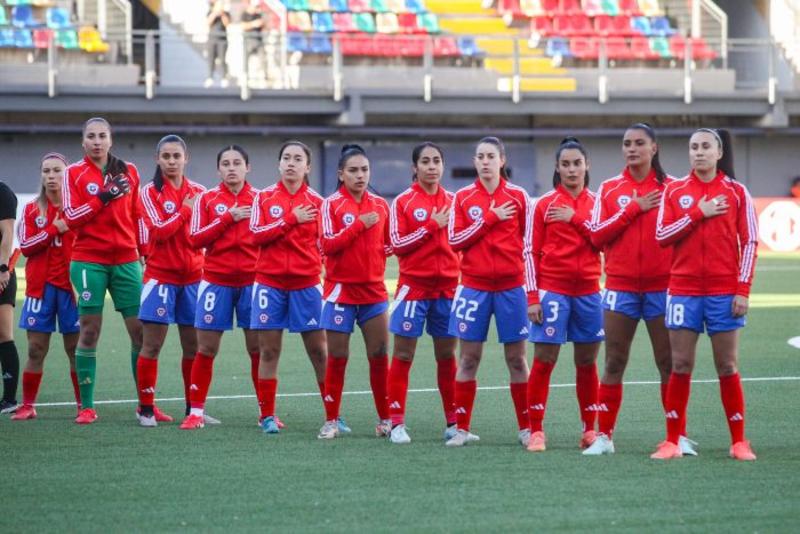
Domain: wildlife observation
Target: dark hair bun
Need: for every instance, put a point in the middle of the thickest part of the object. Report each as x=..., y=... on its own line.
x=352, y=147
x=570, y=139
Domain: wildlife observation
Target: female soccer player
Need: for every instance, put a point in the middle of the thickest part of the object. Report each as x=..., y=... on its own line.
x=221, y=224
x=9, y=358
x=637, y=273
x=102, y=205
x=709, y=219
x=568, y=304
x=490, y=224
x=46, y=241
x=428, y=279
x=287, y=292
x=355, y=241
x=172, y=273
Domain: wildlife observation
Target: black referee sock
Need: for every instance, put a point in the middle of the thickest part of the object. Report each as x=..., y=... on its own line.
x=9, y=361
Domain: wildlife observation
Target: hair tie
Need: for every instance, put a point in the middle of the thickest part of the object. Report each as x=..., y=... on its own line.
x=56, y=155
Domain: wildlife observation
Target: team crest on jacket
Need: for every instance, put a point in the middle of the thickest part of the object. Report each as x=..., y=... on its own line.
x=40, y=221
x=275, y=211
x=420, y=214
x=623, y=201
x=169, y=206
x=475, y=213
x=92, y=188
x=220, y=209
x=686, y=201
x=348, y=218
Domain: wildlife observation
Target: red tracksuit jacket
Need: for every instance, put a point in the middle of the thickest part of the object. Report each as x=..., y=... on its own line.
x=290, y=257
x=633, y=260
x=715, y=256
x=48, y=252
x=171, y=257
x=565, y=260
x=355, y=256
x=496, y=255
x=108, y=235
x=428, y=265
x=231, y=253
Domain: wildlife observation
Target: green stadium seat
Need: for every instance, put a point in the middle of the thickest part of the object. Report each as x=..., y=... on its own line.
x=428, y=22
x=67, y=39
x=380, y=6
x=610, y=7
x=3, y=17
x=364, y=22
x=660, y=45
x=296, y=5
x=17, y=2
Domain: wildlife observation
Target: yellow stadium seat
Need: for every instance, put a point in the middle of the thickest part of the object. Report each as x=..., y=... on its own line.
x=90, y=40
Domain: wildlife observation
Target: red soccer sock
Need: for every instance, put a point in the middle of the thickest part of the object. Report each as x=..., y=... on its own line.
x=186, y=372
x=76, y=390
x=664, y=387
x=678, y=390
x=378, y=382
x=334, y=384
x=30, y=387
x=465, y=399
x=255, y=361
x=202, y=371
x=519, y=396
x=609, y=399
x=730, y=389
x=586, y=386
x=446, y=380
x=267, y=390
x=146, y=377
x=538, y=390
x=398, y=389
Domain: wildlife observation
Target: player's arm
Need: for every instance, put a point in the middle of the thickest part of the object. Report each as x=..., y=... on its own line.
x=747, y=228
x=462, y=235
x=78, y=209
x=537, y=243
x=264, y=232
x=403, y=241
x=332, y=241
x=527, y=252
x=606, y=227
x=203, y=232
x=669, y=228
x=159, y=228
x=31, y=239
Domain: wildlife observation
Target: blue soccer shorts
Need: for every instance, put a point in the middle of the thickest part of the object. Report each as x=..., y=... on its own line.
x=168, y=303
x=56, y=305
x=472, y=310
x=647, y=306
x=299, y=310
x=343, y=317
x=696, y=312
x=216, y=305
x=408, y=317
x=569, y=319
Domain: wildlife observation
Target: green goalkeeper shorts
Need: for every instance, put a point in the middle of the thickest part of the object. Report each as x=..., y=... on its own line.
x=123, y=282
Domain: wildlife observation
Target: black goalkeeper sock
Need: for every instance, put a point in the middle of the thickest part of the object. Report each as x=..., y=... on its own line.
x=9, y=361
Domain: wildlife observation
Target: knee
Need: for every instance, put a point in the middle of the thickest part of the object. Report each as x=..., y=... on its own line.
x=270, y=354
x=727, y=369
x=207, y=349
x=615, y=366
x=89, y=335
x=682, y=366
x=403, y=354
x=36, y=351
x=468, y=363
x=379, y=352
x=517, y=364
x=151, y=347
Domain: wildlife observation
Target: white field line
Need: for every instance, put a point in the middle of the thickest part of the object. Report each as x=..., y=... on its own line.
x=421, y=390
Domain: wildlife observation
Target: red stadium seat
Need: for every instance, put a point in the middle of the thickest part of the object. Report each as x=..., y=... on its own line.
x=543, y=26
x=617, y=48
x=360, y=6
x=608, y=25
x=571, y=7
x=446, y=47
x=640, y=48
x=573, y=25
x=584, y=47
x=42, y=37
x=551, y=7
x=357, y=44
x=408, y=23
x=343, y=22
x=630, y=8
x=700, y=49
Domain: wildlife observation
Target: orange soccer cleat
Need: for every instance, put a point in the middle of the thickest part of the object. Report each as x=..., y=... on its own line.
x=740, y=450
x=161, y=417
x=86, y=416
x=537, y=442
x=24, y=412
x=667, y=451
x=193, y=421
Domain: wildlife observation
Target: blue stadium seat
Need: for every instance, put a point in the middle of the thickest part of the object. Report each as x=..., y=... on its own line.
x=322, y=22
x=320, y=44
x=468, y=47
x=558, y=46
x=641, y=25
x=415, y=6
x=339, y=6
x=660, y=27
x=297, y=43
x=22, y=17
x=23, y=39
x=58, y=18
x=6, y=38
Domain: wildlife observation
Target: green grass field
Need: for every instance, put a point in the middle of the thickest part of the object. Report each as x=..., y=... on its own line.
x=115, y=476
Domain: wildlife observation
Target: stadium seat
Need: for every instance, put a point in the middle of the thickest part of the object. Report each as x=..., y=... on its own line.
x=380, y=6
x=357, y=45
x=22, y=17
x=573, y=25
x=17, y=2
x=617, y=48
x=57, y=18
x=542, y=26
x=90, y=40
x=3, y=17
x=319, y=5
x=397, y=6
x=532, y=8
x=630, y=8
x=593, y=8
x=608, y=25
x=364, y=22
x=297, y=42
x=610, y=7
x=584, y=47
x=299, y=21
x=23, y=38
x=642, y=49
x=428, y=22
x=387, y=23
x=408, y=23
x=700, y=49
x=322, y=22
x=571, y=7
x=415, y=6
x=551, y=7
x=296, y=5
x=661, y=47
x=344, y=22
x=412, y=46
x=446, y=47
x=6, y=38
x=660, y=26
x=650, y=8
x=558, y=47
x=320, y=44
x=42, y=37
x=641, y=25
x=67, y=39
x=468, y=47
x=360, y=6
x=510, y=8
x=338, y=6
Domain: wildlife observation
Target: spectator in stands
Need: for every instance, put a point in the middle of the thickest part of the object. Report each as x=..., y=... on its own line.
x=254, y=25
x=9, y=359
x=218, y=19
x=794, y=191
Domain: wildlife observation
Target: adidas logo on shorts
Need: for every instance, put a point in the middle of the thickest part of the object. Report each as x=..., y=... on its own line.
x=312, y=322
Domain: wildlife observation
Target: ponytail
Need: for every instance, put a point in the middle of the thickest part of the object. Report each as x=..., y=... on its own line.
x=115, y=166
x=566, y=144
x=655, y=163
x=726, y=163
x=158, y=177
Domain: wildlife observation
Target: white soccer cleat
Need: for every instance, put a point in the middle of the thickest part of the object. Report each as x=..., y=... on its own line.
x=602, y=445
x=147, y=421
x=687, y=446
x=400, y=435
x=461, y=438
x=524, y=437
x=383, y=428
x=207, y=419
x=450, y=431
x=329, y=430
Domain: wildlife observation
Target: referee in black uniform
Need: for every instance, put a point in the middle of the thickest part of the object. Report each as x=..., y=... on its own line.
x=9, y=359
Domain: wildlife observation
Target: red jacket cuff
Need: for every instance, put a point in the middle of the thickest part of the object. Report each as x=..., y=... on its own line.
x=491, y=218
x=186, y=212
x=743, y=290
x=431, y=226
x=51, y=230
x=533, y=298
x=696, y=214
